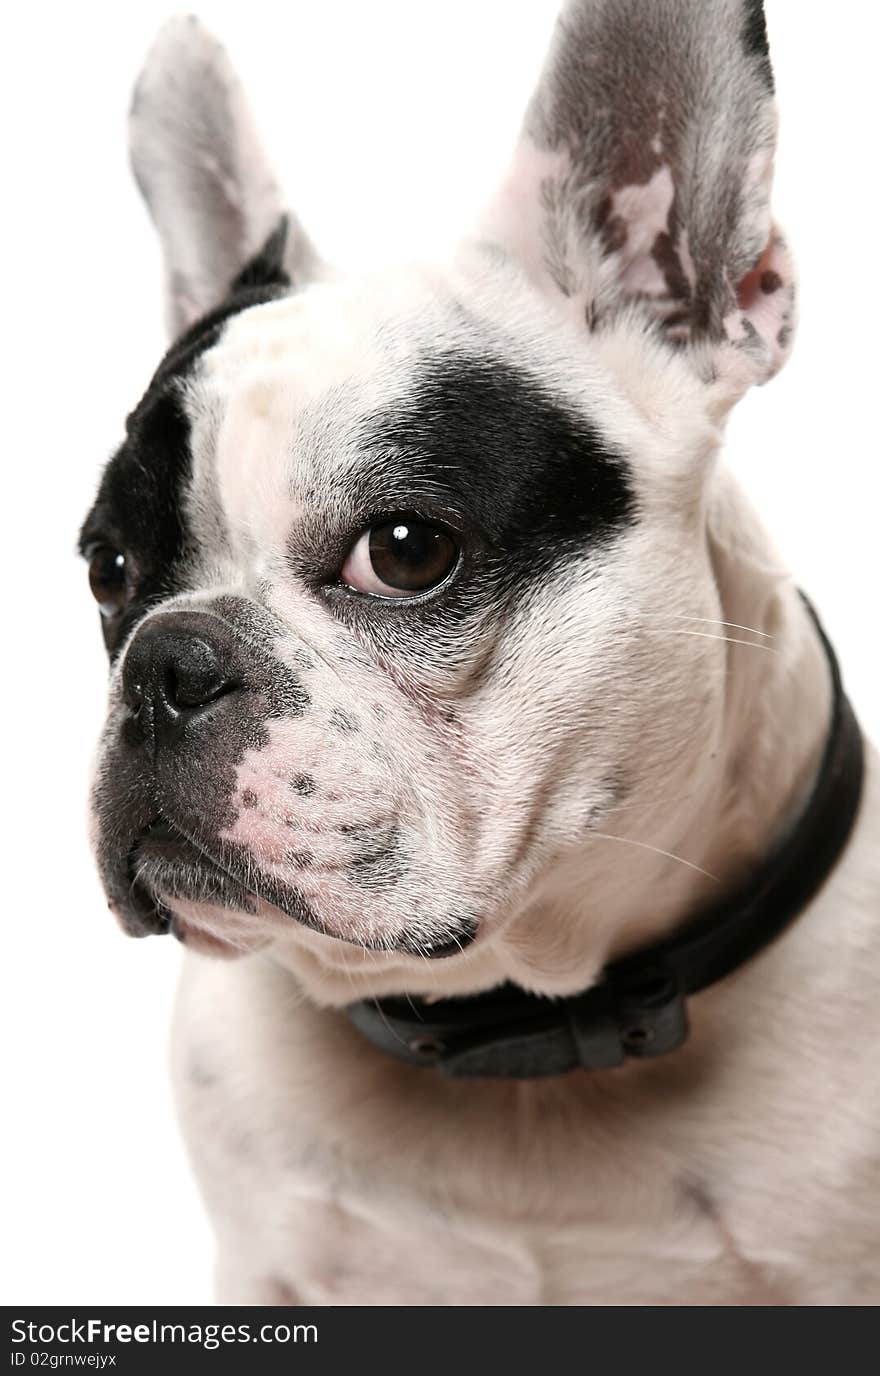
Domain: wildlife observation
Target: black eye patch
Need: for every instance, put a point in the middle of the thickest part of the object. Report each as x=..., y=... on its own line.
x=532, y=472
x=140, y=506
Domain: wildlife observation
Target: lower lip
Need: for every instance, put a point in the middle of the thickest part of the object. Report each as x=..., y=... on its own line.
x=162, y=843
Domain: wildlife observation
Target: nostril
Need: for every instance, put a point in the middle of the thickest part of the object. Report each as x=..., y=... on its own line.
x=193, y=676
x=189, y=693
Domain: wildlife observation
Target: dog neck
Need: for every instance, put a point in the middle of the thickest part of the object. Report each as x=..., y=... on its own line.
x=749, y=786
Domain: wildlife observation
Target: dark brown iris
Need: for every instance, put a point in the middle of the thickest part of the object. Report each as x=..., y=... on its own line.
x=107, y=578
x=411, y=556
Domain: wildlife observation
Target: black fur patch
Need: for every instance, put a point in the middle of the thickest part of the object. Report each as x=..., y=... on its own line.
x=188, y=790
x=139, y=506
x=534, y=474
x=344, y=722
x=754, y=35
x=266, y=268
x=381, y=862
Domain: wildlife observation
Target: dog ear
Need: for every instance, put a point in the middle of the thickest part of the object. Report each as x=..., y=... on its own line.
x=203, y=174
x=641, y=182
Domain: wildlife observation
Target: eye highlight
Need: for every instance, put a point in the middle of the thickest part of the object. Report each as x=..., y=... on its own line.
x=108, y=578
x=399, y=558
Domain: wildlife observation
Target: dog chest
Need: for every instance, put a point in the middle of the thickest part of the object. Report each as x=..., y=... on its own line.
x=352, y=1179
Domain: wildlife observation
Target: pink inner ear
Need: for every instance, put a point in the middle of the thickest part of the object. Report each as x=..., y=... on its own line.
x=762, y=280
x=763, y=321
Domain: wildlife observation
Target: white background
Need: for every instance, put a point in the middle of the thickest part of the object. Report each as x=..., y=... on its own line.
x=389, y=122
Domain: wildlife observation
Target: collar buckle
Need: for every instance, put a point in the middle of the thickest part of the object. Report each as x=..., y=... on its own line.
x=639, y=1015
x=651, y=1013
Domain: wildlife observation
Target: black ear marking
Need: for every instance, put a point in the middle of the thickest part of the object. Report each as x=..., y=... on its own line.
x=755, y=39
x=266, y=268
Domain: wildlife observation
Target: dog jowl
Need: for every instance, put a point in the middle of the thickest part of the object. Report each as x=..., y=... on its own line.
x=386, y=565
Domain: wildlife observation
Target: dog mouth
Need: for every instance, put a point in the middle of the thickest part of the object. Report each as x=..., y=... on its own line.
x=173, y=883
x=163, y=843
x=166, y=869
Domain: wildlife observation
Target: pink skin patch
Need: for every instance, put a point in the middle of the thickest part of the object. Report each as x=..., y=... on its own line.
x=306, y=811
x=735, y=327
x=765, y=299
x=303, y=785
x=687, y=262
x=645, y=211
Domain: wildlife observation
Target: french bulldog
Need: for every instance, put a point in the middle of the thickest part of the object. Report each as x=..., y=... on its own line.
x=447, y=657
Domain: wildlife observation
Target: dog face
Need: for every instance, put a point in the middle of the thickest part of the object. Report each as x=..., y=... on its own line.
x=388, y=567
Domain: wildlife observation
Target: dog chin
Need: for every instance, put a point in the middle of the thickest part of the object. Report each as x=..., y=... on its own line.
x=226, y=934
x=171, y=885
x=213, y=931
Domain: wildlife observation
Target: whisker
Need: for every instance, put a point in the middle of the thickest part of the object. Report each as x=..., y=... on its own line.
x=733, y=625
x=645, y=845
x=729, y=640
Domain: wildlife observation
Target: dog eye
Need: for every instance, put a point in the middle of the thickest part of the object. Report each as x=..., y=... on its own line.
x=400, y=557
x=108, y=578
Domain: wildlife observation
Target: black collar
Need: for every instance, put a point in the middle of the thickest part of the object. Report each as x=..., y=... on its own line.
x=638, y=1009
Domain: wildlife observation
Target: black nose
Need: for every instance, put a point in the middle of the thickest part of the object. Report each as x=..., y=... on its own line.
x=171, y=674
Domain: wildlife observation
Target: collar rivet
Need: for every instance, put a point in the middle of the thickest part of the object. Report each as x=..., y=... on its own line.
x=426, y=1046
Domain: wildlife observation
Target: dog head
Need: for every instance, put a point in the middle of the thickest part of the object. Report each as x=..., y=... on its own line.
x=387, y=566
